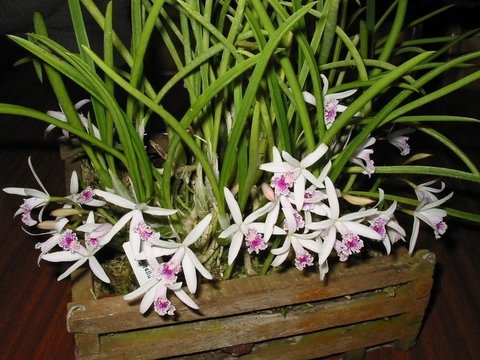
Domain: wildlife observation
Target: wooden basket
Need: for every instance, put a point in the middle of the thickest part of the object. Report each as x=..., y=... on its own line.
x=379, y=301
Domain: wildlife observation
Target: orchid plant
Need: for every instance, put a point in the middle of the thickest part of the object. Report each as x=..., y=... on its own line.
x=273, y=162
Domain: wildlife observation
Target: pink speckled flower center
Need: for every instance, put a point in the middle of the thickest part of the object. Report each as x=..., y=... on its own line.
x=27, y=215
x=85, y=196
x=92, y=242
x=378, y=224
x=303, y=259
x=282, y=183
x=167, y=272
x=69, y=241
x=350, y=244
x=255, y=241
x=163, y=306
x=330, y=111
x=146, y=233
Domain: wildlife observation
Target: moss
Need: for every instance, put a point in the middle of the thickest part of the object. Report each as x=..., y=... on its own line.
x=121, y=276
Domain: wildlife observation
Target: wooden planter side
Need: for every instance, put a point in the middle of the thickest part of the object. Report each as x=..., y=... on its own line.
x=294, y=307
x=238, y=296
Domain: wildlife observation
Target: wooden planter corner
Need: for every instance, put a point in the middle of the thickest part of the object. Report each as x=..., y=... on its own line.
x=379, y=301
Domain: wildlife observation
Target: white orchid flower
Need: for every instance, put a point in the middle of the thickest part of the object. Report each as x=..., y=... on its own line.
x=299, y=243
x=331, y=104
x=362, y=157
x=66, y=239
x=350, y=244
x=425, y=192
x=154, y=290
x=85, y=197
x=60, y=115
x=184, y=256
x=400, y=141
x=298, y=172
x=345, y=225
x=314, y=197
x=94, y=241
x=429, y=213
x=387, y=226
x=34, y=199
x=139, y=230
x=243, y=228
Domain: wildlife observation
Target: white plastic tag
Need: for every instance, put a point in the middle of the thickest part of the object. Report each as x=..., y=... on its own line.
x=142, y=272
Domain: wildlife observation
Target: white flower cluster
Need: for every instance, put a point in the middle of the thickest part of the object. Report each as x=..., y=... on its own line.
x=302, y=209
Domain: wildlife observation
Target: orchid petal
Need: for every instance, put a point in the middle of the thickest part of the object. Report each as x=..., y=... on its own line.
x=115, y=199
x=362, y=214
x=88, y=227
x=439, y=202
x=135, y=294
x=190, y=274
x=35, y=175
x=62, y=256
x=276, y=156
x=98, y=270
x=397, y=227
x=280, y=259
x=233, y=206
x=309, y=98
x=198, y=265
x=271, y=219
x=96, y=203
x=60, y=224
x=118, y=226
x=328, y=244
x=332, y=198
x=341, y=95
x=317, y=182
x=36, y=193
x=321, y=225
x=167, y=244
x=257, y=213
x=362, y=230
x=276, y=167
x=72, y=268
x=387, y=244
x=414, y=235
x=15, y=191
x=235, y=245
x=288, y=212
x=314, y=156
x=290, y=159
x=323, y=270
x=197, y=231
x=228, y=232
x=148, y=299
x=157, y=211
x=79, y=104
x=299, y=192
x=311, y=245
x=284, y=248
x=74, y=186
x=182, y=295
